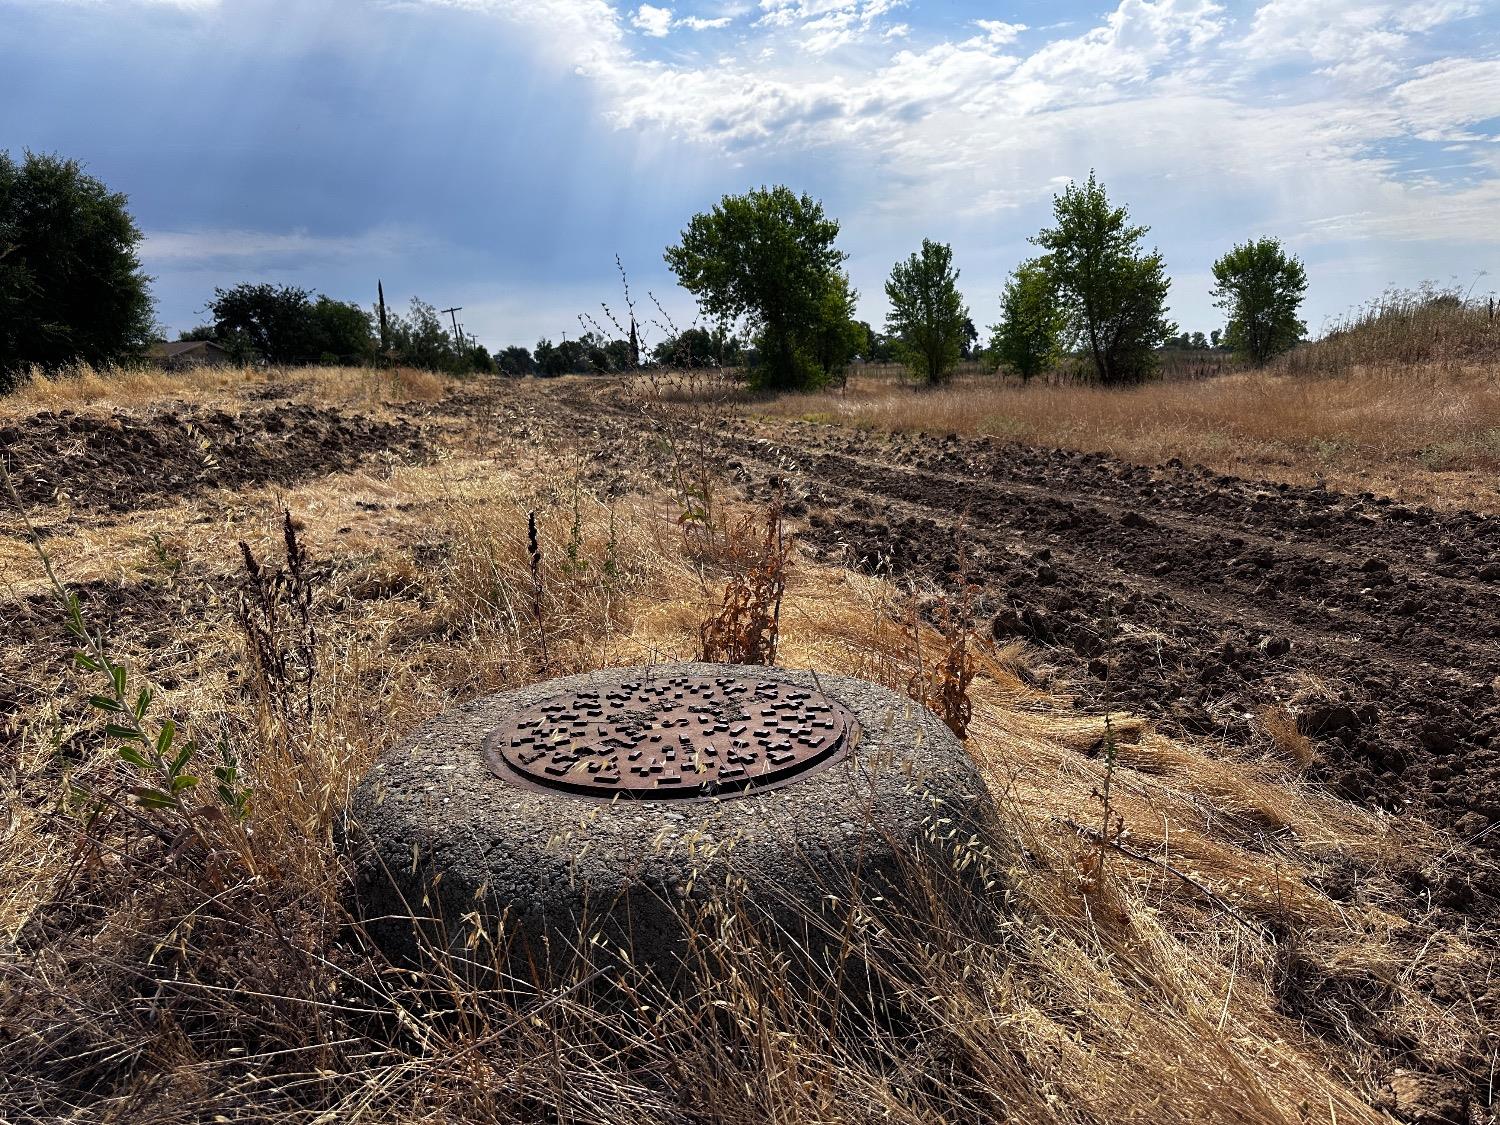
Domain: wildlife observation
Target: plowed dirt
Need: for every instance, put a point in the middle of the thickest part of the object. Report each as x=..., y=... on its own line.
x=125, y=460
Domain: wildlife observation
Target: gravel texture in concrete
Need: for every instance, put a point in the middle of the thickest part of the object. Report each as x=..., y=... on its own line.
x=446, y=852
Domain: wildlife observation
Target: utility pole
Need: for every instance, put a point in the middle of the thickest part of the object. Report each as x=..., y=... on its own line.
x=458, y=340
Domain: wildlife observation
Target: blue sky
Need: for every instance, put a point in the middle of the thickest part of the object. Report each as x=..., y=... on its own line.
x=497, y=154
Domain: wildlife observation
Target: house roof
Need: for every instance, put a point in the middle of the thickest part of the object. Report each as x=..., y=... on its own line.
x=179, y=347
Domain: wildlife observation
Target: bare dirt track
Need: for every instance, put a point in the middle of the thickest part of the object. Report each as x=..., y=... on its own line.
x=1196, y=599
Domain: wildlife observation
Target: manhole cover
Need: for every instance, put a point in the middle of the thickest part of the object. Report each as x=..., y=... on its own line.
x=674, y=738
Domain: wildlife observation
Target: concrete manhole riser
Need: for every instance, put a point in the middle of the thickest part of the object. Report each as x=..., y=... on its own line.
x=438, y=831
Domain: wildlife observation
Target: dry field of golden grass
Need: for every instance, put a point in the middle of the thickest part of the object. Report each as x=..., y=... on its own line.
x=178, y=965
x=1429, y=433
x=1404, y=400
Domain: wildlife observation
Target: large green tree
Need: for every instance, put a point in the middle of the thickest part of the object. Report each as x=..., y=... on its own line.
x=1114, y=293
x=928, y=317
x=271, y=322
x=1029, y=337
x=71, y=286
x=341, y=332
x=767, y=256
x=515, y=361
x=283, y=324
x=1261, y=287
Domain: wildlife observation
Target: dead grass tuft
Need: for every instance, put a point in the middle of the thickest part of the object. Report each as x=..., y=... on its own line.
x=1281, y=725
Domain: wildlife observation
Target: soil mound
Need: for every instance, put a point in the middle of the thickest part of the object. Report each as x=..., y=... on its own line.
x=123, y=461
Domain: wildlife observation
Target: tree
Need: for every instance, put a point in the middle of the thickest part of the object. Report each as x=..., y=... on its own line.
x=1114, y=294
x=200, y=332
x=1213, y=338
x=767, y=256
x=836, y=337
x=480, y=360
x=1029, y=337
x=71, y=286
x=927, y=313
x=339, y=332
x=1261, y=287
x=515, y=361
x=421, y=339
x=971, y=337
x=273, y=322
x=1199, y=342
x=560, y=359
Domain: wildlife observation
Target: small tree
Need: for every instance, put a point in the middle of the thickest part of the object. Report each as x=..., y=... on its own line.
x=927, y=313
x=340, y=331
x=767, y=256
x=71, y=286
x=1029, y=337
x=1114, y=294
x=515, y=361
x=837, y=337
x=273, y=322
x=1261, y=287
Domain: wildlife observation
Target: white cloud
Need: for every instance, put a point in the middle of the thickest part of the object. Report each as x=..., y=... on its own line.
x=209, y=247
x=974, y=126
x=700, y=23
x=1358, y=42
x=652, y=21
x=1449, y=94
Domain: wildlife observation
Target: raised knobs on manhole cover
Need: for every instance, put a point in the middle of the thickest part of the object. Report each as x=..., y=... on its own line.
x=673, y=738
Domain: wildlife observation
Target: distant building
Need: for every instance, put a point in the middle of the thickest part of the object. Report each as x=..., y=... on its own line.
x=188, y=353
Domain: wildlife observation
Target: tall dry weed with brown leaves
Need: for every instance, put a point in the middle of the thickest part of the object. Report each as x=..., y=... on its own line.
x=747, y=627
x=275, y=614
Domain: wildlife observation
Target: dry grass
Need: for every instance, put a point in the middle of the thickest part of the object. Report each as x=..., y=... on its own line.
x=222, y=979
x=1401, y=398
x=1429, y=433
x=85, y=387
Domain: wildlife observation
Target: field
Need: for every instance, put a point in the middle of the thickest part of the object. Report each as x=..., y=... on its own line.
x=1244, y=733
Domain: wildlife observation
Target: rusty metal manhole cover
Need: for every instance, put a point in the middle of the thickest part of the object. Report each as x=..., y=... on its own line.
x=672, y=738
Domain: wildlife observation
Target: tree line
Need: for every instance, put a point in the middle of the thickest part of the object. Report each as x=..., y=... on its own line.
x=768, y=259
x=763, y=266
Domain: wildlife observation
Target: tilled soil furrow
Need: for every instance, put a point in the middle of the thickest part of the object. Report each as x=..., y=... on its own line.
x=1386, y=653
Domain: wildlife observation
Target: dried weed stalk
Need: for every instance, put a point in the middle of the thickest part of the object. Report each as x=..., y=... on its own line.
x=538, y=586
x=943, y=686
x=275, y=613
x=747, y=627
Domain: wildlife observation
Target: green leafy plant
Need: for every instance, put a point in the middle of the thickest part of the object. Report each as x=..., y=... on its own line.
x=1261, y=288
x=160, y=758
